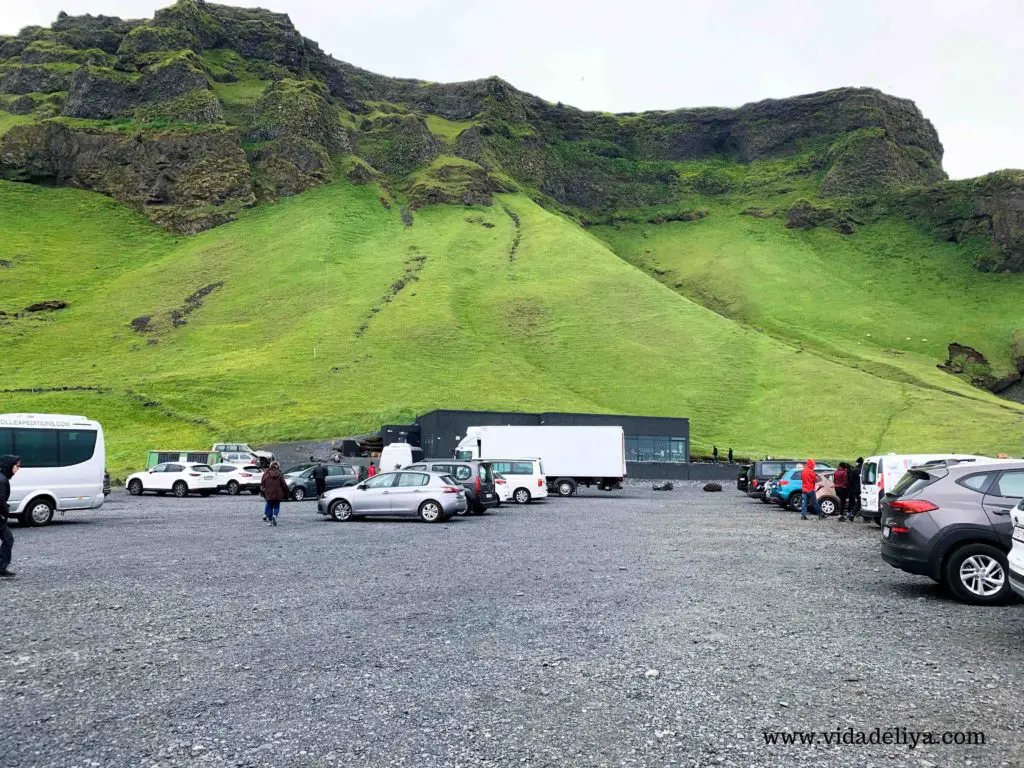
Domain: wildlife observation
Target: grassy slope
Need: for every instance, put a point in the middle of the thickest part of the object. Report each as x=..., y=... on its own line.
x=275, y=354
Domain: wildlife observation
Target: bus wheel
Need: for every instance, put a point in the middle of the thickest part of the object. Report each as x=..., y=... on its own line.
x=39, y=513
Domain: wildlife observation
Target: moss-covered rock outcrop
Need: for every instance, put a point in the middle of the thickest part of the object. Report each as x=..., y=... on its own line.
x=298, y=109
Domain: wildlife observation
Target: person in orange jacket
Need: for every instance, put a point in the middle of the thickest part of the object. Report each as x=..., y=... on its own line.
x=372, y=470
x=809, y=488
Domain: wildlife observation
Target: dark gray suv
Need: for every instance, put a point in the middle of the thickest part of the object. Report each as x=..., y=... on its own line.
x=475, y=476
x=952, y=524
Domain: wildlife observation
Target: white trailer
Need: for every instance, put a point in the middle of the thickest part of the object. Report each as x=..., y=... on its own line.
x=570, y=456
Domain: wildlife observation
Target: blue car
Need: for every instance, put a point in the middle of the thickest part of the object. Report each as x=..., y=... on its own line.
x=786, y=490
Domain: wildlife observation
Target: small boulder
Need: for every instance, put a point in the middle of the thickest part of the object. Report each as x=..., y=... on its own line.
x=46, y=306
x=666, y=486
x=713, y=487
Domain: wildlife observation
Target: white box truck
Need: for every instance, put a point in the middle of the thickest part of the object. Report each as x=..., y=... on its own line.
x=570, y=456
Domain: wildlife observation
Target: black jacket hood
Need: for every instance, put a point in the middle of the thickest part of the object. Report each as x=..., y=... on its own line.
x=7, y=465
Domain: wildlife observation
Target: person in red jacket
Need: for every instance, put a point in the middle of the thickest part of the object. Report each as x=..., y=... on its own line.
x=372, y=470
x=808, y=486
x=841, y=478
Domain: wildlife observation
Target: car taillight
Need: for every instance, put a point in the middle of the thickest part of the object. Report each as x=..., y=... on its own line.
x=540, y=483
x=783, y=482
x=450, y=489
x=913, y=506
x=500, y=482
x=476, y=483
x=899, y=529
x=245, y=474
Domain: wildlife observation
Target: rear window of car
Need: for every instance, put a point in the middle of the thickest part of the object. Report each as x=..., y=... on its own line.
x=912, y=482
x=450, y=480
x=770, y=469
x=201, y=468
x=485, y=474
x=252, y=469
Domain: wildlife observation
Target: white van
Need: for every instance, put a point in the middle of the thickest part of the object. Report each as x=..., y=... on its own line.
x=881, y=473
x=524, y=477
x=398, y=455
x=62, y=460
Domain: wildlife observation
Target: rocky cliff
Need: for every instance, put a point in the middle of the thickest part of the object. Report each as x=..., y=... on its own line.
x=204, y=109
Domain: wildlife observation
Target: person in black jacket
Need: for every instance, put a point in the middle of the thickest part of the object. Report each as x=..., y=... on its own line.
x=9, y=466
x=854, y=485
x=320, y=477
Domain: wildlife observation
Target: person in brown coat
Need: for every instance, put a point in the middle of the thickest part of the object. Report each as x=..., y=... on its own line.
x=275, y=490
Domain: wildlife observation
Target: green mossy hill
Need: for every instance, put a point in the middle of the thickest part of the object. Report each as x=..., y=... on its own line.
x=851, y=154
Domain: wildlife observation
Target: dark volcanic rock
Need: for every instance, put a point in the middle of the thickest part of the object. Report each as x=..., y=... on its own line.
x=396, y=144
x=972, y=365
x=805, y=215
x=52, y=305
x=291, y=165
x=869, y=160
x=185, y=182
x=35, y=78
x=298, y=109
x=454, y=183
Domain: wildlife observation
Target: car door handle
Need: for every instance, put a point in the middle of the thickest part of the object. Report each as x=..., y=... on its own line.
x=1002, y=511
x=386, y=492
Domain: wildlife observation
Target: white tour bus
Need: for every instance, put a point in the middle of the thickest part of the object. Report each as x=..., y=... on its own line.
x=62, y=460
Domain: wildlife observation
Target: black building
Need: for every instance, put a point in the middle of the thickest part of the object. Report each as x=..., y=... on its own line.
x=648, y=438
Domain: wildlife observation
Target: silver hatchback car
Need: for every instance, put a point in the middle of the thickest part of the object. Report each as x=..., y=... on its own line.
x=952, y=524
x=432, y=497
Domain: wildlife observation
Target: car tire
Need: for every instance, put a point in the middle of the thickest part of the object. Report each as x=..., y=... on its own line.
x=829, y=505
x=522, y=496
x=38, y=513
x=978, y=574
x=135, y=487
x=298, y=493
x=794, y=501
x=234, y=488
x=565, y=488
x=340, y=511
x=180, y=489
x=431, y=511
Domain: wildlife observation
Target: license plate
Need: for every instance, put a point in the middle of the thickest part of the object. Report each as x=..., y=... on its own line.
x=885, y=532
x=1018, y=533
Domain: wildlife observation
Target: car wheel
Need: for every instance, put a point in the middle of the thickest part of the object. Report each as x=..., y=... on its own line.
x=794, y=501
x=39, y=513
x=565, y=488
x=180, y=489
x=522, y=496
x=135, y=487
x=829, y=505
x=233, y=487
x=340, y=511
x=977, y=574
x=299, y=493
x=430, y=512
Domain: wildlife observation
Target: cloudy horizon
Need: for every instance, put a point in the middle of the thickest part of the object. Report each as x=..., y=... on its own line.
x=960, y=63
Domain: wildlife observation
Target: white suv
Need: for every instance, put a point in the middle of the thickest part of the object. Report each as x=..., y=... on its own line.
x=180, y=479
x=525, y=478
x=225, y=449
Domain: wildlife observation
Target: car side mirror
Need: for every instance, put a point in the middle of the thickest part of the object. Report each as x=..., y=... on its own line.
x=361, y=487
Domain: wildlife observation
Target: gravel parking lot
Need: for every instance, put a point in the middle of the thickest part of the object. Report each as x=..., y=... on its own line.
x=165, y=632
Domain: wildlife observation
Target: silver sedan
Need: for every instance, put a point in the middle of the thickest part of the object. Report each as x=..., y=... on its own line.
x=431, y=496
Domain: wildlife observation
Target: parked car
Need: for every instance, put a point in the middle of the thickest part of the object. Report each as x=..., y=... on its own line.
x=525, y=477
x=301, y=484
x=179, y=479
x=235, y=479
x=397, y=455
x=1015, y=559
x=954, y=525
x=501, y=488
x=182, y=457
x=432, y=496
x=762, y=471
x=741, y=479
x=787, y=490
x=263, y=457
x=475, y=476
x=242, y=459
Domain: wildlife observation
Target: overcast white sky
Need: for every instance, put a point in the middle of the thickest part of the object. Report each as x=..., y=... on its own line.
x=962, y=62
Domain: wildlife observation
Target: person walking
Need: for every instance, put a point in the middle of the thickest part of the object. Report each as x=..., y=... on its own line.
x=372, y=470
x=841, y=478
x=809, y=488
x=275, y=490
x=714, y=453
x=9, y=466
x=320, y=478
x=730, y=455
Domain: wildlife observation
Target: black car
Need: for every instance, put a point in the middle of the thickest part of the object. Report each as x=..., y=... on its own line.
x=475, y=476
x=741, y=481
x=302, y=485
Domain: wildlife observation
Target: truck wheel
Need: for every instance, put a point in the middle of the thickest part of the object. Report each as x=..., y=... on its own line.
x=565, y=487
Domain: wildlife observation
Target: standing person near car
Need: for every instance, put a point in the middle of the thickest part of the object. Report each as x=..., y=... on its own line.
x=275, y=490
x=730, y=455
x=854, y=486
x=9, y=466
x=320, y=477
x=809, y=488
x=372, y=470
x=714, y=453
x=841, y=479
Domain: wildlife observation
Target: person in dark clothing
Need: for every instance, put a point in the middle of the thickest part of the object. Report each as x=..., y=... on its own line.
x=841, y=479
x=9, y=466
x=320, y=478
x=275, y=490
x=854, y=485
x=714, y=453
x=730, y=455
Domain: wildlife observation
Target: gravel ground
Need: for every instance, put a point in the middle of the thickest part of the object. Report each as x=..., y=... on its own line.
x=160, y=632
